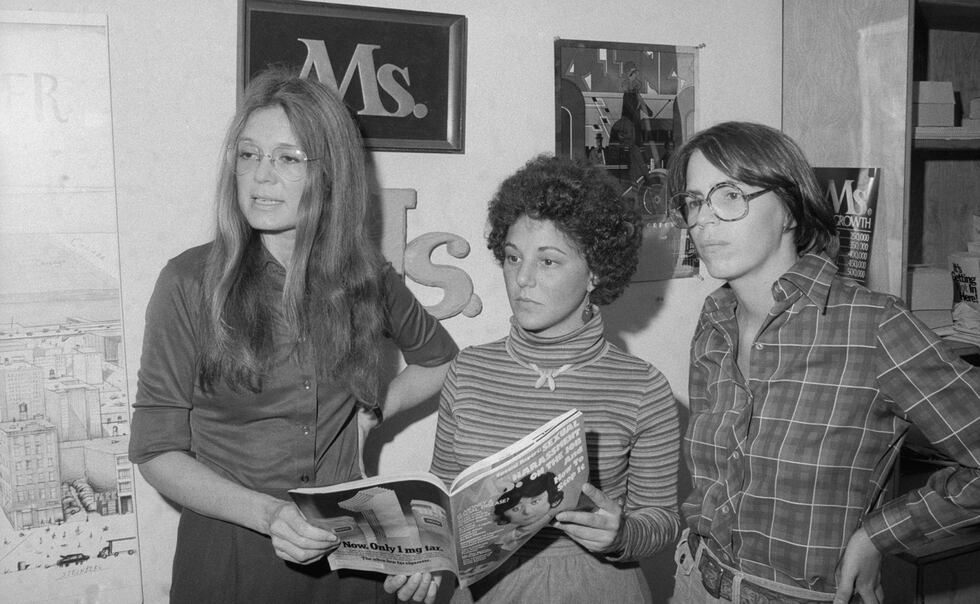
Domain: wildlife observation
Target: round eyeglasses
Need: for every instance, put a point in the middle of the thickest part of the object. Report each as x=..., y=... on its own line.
x=727, y=201
x=288, y=162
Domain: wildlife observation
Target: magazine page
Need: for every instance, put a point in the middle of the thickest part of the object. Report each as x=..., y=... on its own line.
x=388, y=525
x=487, y=464
x=499, y=510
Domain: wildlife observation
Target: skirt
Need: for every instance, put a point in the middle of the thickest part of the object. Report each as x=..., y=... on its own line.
x=563, y=572
x=218, y=562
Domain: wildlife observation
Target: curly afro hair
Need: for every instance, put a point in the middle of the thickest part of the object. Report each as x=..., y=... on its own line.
x=583, y=201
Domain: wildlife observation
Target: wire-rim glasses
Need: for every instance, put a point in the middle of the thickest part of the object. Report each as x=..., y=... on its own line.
x=288, y=162
x=726, y=200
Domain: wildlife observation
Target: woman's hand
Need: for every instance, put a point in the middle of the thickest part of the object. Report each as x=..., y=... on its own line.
x=420, y=587
x=367, y=420
x=859, y=571
x=294, y=538
x=597, y=530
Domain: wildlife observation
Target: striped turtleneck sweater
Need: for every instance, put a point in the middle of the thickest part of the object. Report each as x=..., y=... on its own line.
x=497, y=393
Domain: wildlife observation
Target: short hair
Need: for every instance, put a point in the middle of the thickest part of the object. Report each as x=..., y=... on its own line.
x=584, y=202
x=529, y=486
x=762, y=156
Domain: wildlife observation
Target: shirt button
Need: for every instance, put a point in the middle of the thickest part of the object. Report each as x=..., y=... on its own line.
x=759, y=346
x=304, y=478
x=306, y=384
x=306, y=430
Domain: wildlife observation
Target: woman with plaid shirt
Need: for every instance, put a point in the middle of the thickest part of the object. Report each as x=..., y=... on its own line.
x=802, y=386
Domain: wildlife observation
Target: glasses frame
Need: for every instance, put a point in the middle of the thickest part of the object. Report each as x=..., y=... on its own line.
x=263, y=154
x=678, y=220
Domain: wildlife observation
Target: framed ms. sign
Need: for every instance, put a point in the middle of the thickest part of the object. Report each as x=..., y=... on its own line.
x=402, y=72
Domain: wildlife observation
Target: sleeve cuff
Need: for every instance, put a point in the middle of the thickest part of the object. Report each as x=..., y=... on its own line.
x=616, y=552
x=892, y=529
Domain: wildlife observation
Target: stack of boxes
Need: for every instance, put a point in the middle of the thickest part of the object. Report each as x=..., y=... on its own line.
x=933, y=104
x=931, y=295
x=973, y=121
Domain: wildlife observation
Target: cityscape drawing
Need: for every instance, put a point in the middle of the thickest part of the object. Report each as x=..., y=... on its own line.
x=67, y=507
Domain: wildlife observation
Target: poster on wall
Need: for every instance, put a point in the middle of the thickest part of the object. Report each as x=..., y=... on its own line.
x=626, y=107
x=854, y=194
x=67, y=521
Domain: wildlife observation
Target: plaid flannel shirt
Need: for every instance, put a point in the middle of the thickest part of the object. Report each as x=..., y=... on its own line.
x=787, y=461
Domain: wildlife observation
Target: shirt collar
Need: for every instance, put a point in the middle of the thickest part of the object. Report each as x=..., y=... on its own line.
x=269, y=266
x=811, y=276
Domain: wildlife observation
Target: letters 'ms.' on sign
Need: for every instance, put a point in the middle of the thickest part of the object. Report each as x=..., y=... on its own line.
x=401, y=72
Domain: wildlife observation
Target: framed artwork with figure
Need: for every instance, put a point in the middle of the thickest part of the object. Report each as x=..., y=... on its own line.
x=626, y=106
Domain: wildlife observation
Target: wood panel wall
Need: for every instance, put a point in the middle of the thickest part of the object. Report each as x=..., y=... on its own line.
x=845, y=100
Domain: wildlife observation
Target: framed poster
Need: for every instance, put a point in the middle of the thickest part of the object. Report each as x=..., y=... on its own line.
x=401, y=72
x=68, y=527
x=626, y=107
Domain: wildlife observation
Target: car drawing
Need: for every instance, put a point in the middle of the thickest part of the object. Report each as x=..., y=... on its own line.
x=69, y=559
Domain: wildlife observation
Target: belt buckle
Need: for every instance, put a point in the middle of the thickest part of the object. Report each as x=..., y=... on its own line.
x=716, y=580
x=757, y=594
x=752, y=593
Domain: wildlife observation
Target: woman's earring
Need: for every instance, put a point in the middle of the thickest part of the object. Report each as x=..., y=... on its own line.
x=588, y=311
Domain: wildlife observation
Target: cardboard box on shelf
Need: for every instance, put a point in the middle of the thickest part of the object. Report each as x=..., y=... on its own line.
x=971, y=121
x=933, y=103
x=930, y=294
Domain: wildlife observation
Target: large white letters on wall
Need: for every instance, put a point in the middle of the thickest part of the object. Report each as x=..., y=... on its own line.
x=415, y=259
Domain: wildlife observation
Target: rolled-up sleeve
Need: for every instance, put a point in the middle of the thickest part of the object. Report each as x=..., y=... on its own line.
x=421, y=338
x=168, y=367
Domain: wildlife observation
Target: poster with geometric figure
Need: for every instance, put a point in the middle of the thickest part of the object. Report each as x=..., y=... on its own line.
x=625, y=107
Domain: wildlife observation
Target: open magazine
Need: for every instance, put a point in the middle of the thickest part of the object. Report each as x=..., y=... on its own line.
x=411, y=523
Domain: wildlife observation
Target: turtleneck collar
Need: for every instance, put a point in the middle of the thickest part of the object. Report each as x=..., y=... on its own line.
x=552, y=356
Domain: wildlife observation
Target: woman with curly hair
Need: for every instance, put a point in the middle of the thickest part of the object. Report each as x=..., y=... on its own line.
x=261, y=345
x=566, y=244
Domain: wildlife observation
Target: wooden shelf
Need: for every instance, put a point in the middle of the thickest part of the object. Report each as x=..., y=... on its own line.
x=945, y=138
x=953, y=15
x=941, y=143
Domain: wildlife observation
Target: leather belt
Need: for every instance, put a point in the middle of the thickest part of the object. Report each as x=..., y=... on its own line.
x=718, y=580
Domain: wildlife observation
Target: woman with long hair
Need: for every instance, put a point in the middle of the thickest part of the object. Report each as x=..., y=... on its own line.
x=261, y=346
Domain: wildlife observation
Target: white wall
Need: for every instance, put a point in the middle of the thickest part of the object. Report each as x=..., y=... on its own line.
x=173, y=67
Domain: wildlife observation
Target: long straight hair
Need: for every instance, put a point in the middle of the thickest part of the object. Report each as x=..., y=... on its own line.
x=333, y=286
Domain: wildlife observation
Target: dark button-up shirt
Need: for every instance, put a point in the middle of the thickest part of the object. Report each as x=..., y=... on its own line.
x=299, y=430
x=787, y=461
